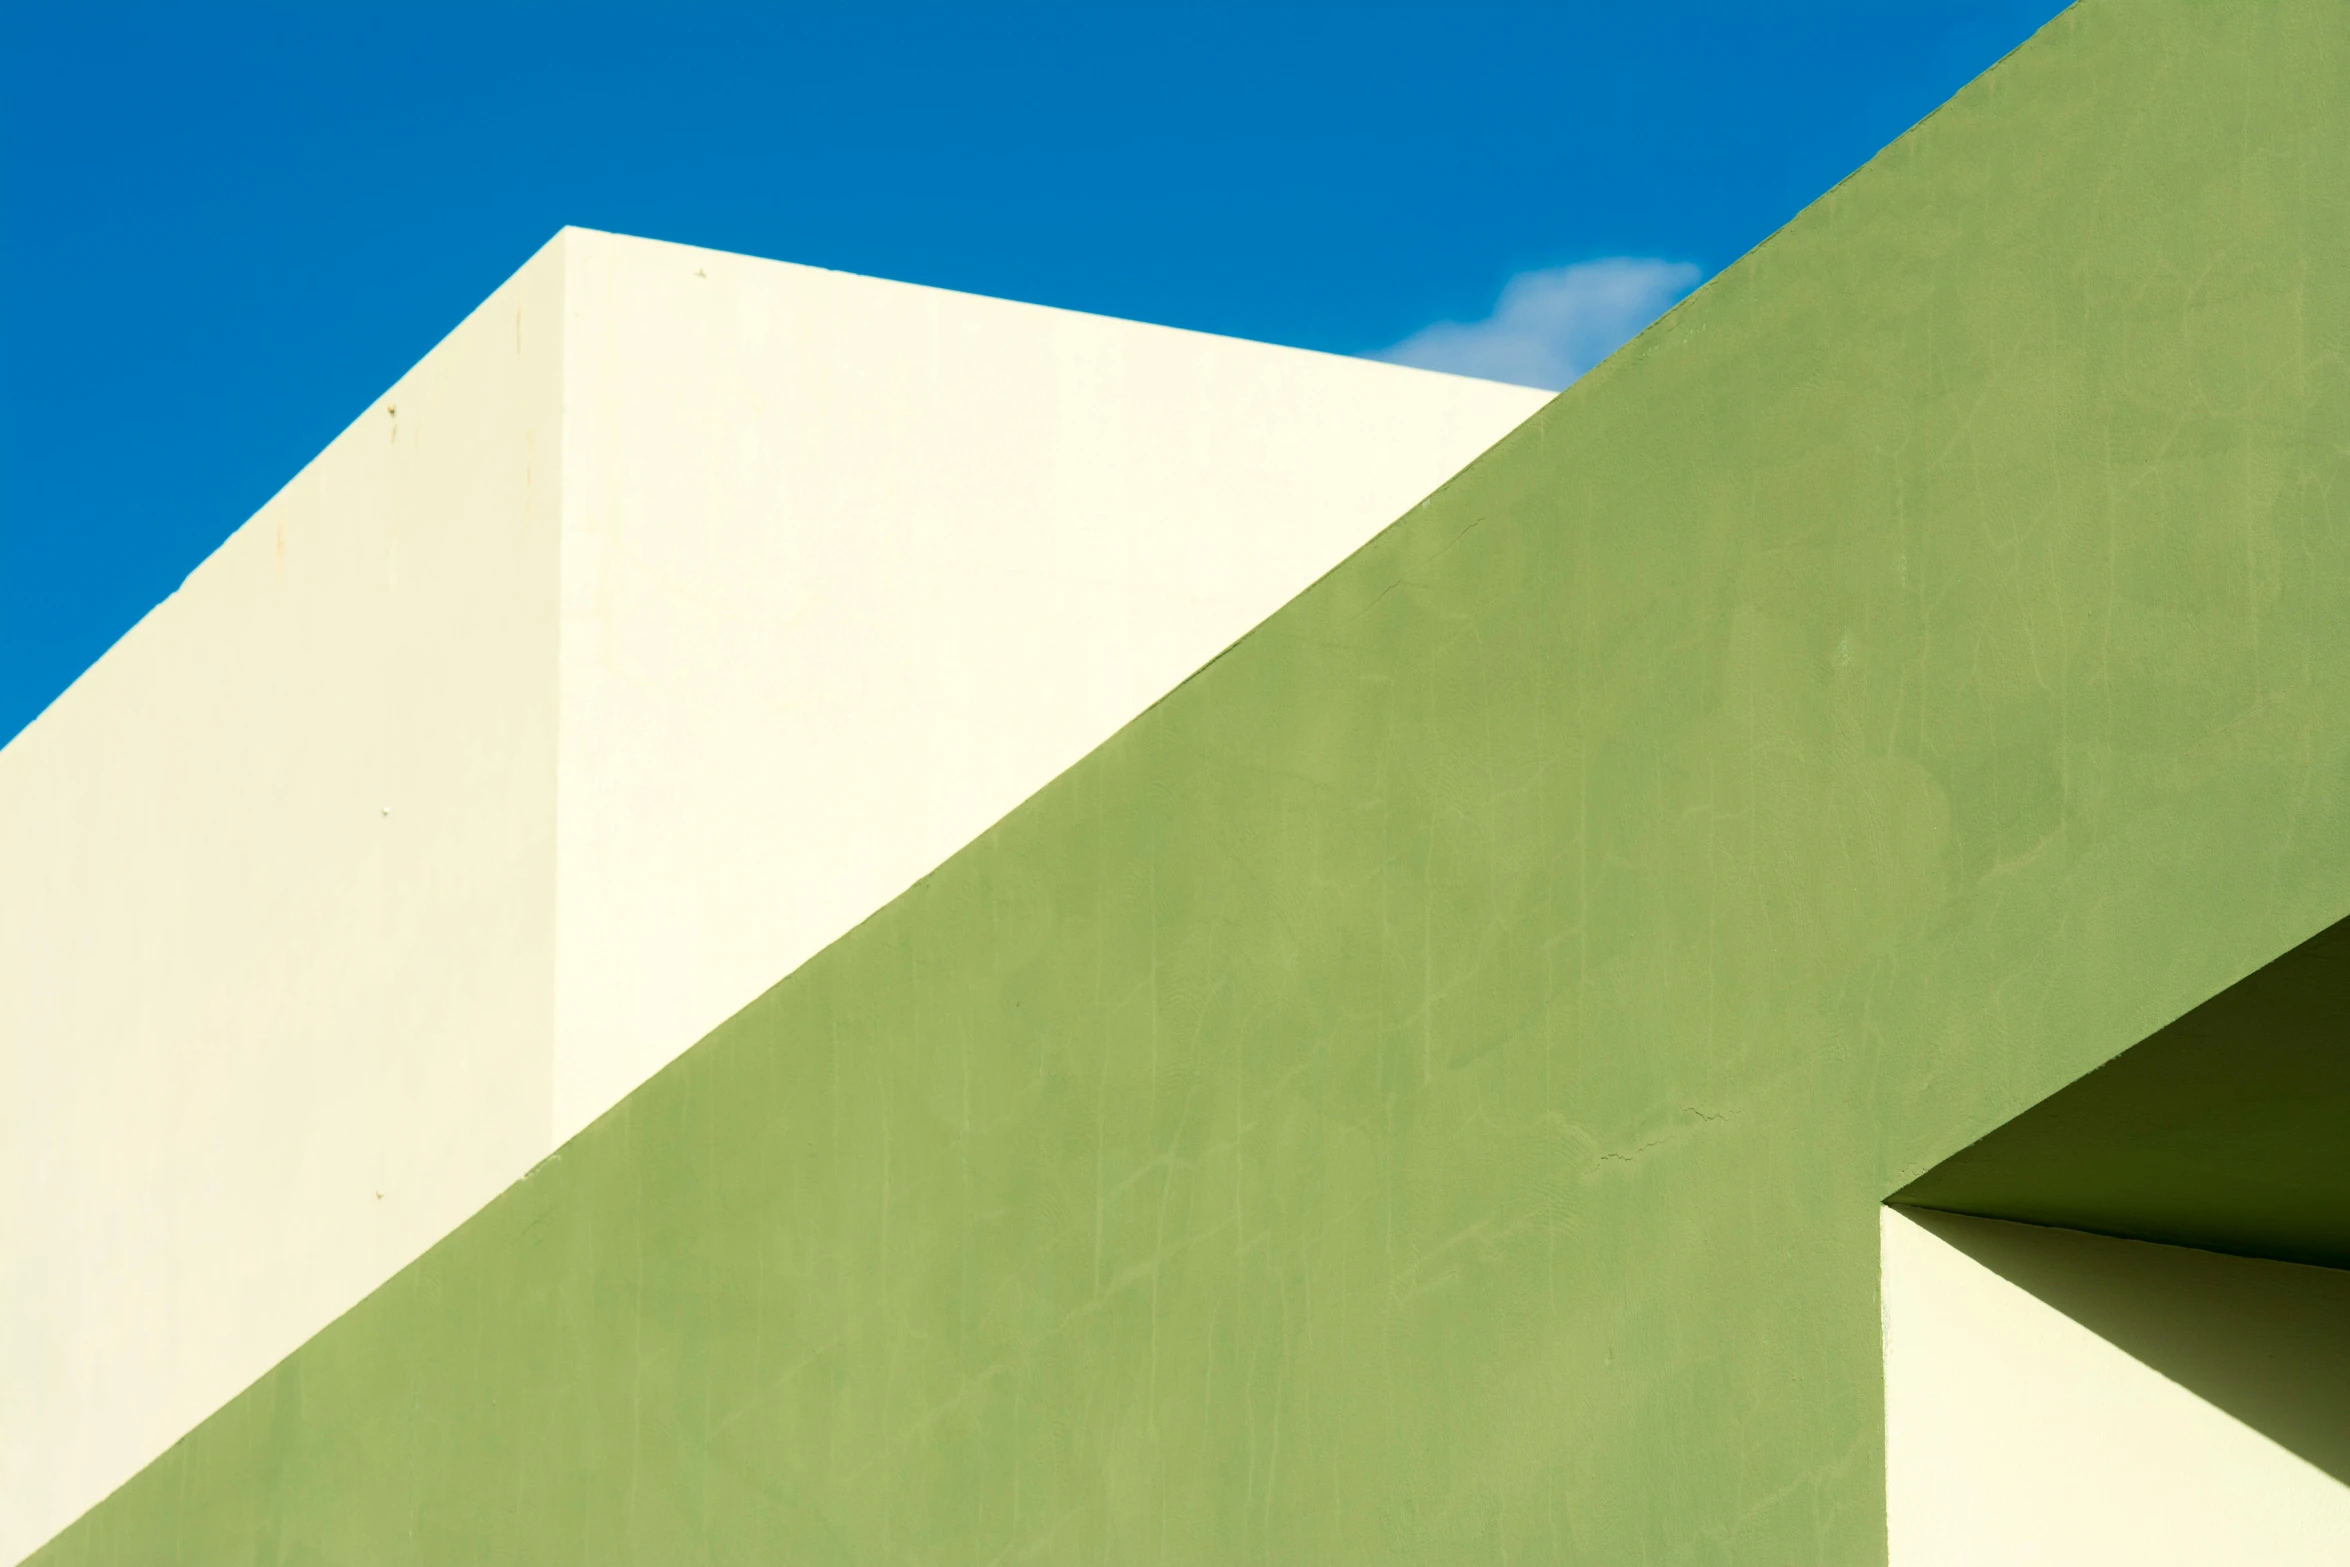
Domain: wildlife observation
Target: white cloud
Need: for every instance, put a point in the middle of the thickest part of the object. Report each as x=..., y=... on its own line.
x=1550, y=326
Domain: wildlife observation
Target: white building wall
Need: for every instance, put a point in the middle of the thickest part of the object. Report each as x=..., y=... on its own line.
x=851, y=568
x=2015, y=1434
x=670, y=617
x=276, y=921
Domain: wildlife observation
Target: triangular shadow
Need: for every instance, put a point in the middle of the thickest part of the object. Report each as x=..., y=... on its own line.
x=2267, y=1342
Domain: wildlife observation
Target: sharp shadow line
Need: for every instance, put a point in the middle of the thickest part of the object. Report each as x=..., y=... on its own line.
x=2266, y=1341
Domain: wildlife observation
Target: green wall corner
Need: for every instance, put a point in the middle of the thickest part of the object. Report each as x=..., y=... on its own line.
x=2228, y=1130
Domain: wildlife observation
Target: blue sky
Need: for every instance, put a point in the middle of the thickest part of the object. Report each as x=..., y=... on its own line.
x=223, y=229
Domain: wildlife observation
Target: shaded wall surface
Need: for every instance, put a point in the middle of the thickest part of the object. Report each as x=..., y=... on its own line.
x=1424, y=1090
x=2054, y=1398
x=2228, y=1130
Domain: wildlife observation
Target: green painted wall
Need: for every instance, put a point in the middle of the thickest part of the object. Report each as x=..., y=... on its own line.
x=2228, y=1130
x=1422, y=1092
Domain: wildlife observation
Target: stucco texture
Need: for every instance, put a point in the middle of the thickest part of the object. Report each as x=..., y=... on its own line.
x=1423, y=1091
